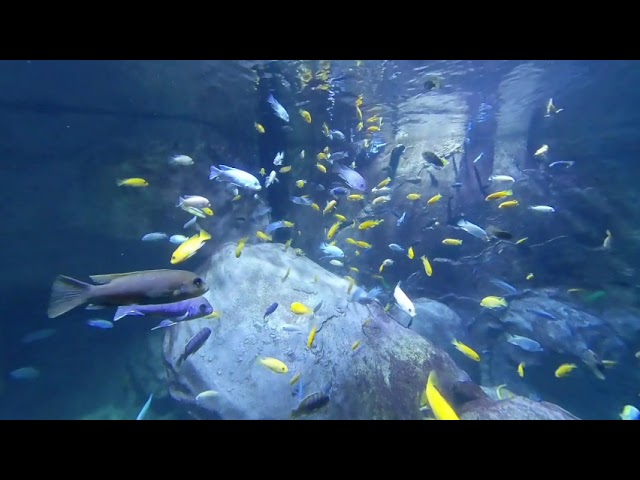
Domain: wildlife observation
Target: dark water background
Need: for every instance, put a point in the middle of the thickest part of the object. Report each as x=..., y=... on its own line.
x=66, y=127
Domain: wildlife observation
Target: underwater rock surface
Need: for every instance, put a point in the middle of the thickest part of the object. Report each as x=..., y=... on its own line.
x=382, y=379
x=516, y=408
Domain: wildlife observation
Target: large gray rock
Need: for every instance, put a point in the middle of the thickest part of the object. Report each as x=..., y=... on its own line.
x=437, y=322
x=382, y=379
x=516, y=408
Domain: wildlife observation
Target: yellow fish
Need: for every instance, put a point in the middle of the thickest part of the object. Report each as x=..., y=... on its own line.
x=384, y=182
x=354, y=269
x=274, y=365
x=521, y=369
x=287, y=273
x=467, y=351
x=414, y=196
x=341, y=218
x=369, y=224
x=236, y=198
x=325, y=130
x=295, y=379
x=208, y=211
x=355, y=198
x=312, y=336
x=189, y=248
x=321, y=168
x=493, y=302
x=240, y=246
x=301, y=183
x=427, y=266
x=300, y=309
x=498, y=195
x=358, y=243
x=373, y=129
x=410, y=253
x=434, y=199
x=359, y=113
x=285, y=169
x=522, y=240
x=360, y=99
x=333, y=230
x=509, y=204
x=542, y=151
x=355, y=345
x=263, y=172
x=451, y=241
x=306, y=115
x=373, y=119
x=259, y=127
x=438, y=404
x=263, y=236
x=315, y=206
x=565, y=369
x=132, y=182
x=288, y=244
x=321, y=156
x=330, y=206
x=360, y=126
x=530, y=276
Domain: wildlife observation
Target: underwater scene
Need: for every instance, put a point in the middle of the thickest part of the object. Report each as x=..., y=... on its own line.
x=320, y=239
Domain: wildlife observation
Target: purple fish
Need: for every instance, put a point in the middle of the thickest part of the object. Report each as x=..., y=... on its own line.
x=195, y=344
x=183, y=310
x=353, y=178
x=270, y=310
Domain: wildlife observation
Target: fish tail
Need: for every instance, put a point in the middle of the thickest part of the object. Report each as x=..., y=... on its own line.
x=180, y=202
x=204, y=235
x=119, y=182
x=214, y=172
x=66, y=294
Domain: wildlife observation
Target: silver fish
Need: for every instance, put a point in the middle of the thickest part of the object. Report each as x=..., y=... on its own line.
x=99, y=323
x=524, y=343
x=472, y=229
x=178, y=239
x=235, y=176
x=154, y=237
x=351, y=177
x=278, y=109
x=183, y=160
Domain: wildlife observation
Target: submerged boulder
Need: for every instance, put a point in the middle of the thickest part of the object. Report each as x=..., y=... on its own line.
x=382, y=377
x=515, y=408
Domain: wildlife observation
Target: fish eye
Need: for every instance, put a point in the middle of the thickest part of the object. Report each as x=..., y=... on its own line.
x=203, y=307
x=197, y=282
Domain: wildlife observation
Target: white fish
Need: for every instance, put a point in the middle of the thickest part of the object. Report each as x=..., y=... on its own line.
x=564, y=163
x=331, y=250
x=99, y=323
x=336, y=263
x=403, y=301
x=145, y=408
x=278, y=160
x=401, y=219
x=232, y=189
x=381, y=191
x=542, y=150
x=542, y=208
x=271, y=179
x=501, y=178
x=278, y=109
x=194, y=201
x=235, y=176
x=154, y=237
x=184, y=160
x=396, y=248
x=302, y=155
x=178, y=239
x=205, y=395
x=473, y=229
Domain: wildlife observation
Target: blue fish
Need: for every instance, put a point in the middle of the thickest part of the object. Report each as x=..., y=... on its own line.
x=301, y=201
x=339, y=191
x=629, y=412
x=272, y=227
x=505, y=286
x=272, y=308
x=25, y=373
x=165, y=324
x=541, y=313
x=98, y=323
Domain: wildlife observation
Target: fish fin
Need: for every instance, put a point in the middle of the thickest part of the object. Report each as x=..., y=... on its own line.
x=214, y=172
x=103, y=279
x=66, y=294
x=225, y=168
x=182, y=317
x=124, y=311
